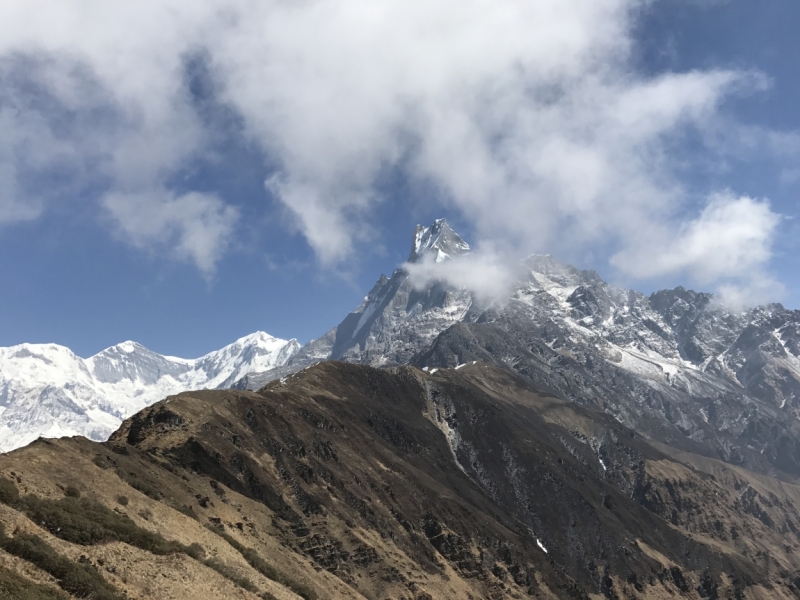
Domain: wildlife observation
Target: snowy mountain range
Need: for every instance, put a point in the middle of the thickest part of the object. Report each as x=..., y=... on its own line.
x=46, y=390
x=677, y=366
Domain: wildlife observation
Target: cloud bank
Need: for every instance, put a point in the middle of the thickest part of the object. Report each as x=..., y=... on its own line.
x=525, y=117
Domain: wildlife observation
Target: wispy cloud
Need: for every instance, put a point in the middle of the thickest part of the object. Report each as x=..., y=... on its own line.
x=526, y=116
x=728, y=243
x=196, y=227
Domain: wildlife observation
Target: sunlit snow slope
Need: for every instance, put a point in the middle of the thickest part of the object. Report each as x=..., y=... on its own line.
x=48, y=391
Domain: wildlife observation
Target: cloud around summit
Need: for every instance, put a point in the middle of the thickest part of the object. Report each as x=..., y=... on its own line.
x=526, y=118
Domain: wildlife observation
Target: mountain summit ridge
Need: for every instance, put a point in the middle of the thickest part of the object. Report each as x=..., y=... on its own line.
x=438, y=240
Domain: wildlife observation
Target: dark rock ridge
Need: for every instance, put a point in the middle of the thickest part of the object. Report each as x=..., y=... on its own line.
x=677, y=366
x=402, y=483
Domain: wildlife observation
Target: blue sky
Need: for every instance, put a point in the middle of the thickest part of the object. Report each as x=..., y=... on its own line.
x=663, y=138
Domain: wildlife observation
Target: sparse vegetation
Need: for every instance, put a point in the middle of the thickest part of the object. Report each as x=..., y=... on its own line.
x=103, y=462
x=138, y=484
x=187, y=510
x=79, y=579
x=82, y=521
x=195, y=550
x=259, y=564
x=230, y=574
x=14, y=587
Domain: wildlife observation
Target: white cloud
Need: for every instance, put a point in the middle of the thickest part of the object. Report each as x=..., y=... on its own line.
x=754, y=290
x=12, y=208
x=526, y=116
x=197, y=227
x=487, y=274
x=32, y=136
x=731, y=236
x=728, y=243
x=92, y=95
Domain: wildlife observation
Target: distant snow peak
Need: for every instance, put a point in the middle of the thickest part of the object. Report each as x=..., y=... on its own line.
x=48, y=391
x=129, y=346
x=439, y=240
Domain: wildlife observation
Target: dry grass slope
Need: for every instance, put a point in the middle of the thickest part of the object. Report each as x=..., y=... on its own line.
x=347, y=482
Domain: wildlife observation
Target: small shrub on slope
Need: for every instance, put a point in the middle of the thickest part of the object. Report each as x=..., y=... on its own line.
x=8, y=492
x=14, y=587
x=230, y=574
x=79, y=579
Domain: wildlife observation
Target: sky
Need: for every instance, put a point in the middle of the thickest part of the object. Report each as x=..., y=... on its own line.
x=183, y=173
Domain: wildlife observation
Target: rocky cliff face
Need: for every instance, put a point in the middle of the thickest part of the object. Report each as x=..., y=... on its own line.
x=345, y=481
x=677, y=366
x=395, y=321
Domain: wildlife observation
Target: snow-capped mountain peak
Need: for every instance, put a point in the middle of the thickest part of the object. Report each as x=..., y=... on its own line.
x=438, y=240
x=396, y=320
x=255, y=352
x=128, y=346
